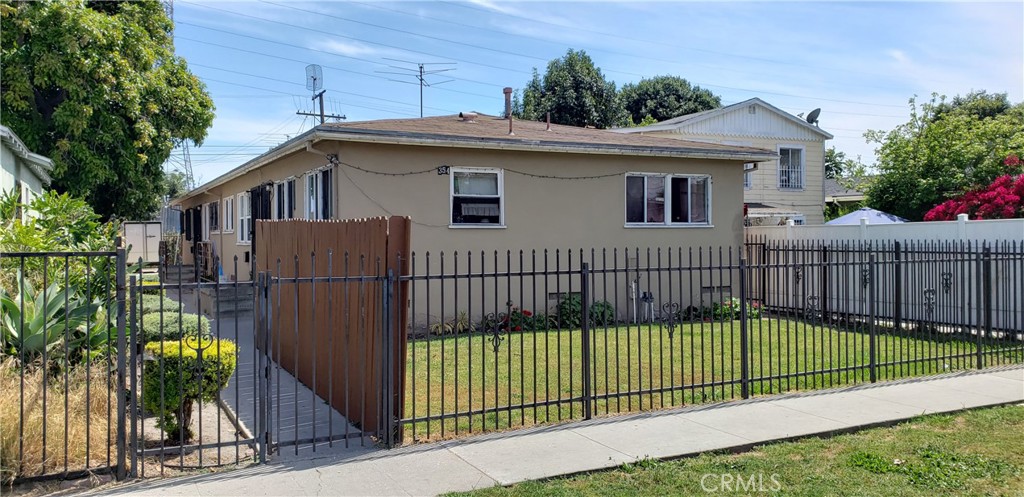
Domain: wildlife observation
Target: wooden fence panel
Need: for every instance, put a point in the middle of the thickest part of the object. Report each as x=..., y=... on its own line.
x=331, y=336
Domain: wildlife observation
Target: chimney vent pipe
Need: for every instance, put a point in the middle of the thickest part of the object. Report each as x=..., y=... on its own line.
x=508, y=101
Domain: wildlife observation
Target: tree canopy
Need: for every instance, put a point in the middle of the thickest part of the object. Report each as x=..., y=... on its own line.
x=574, y=91
x=1003, y=199
x=665, y=97
x=933, y=158
x=96, y=87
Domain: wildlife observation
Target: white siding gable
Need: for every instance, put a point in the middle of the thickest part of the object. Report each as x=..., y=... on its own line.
x=741, y=122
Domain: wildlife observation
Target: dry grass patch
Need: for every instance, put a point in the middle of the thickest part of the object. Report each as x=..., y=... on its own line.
x=77, y=436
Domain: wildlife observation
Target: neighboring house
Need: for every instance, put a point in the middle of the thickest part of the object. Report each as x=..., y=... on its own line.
x=470, y=185
x=841, y=195
x=21, y=170
x=789, y=187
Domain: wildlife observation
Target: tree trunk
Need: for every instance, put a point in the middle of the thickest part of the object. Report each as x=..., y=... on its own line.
x=182, y=434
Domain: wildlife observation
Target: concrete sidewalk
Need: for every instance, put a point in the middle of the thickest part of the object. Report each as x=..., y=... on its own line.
x=505, y=458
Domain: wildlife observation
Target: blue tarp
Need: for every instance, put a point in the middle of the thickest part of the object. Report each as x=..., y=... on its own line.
x=874, y=217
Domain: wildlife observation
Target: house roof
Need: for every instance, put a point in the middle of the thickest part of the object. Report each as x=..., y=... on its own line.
x=38, y=164
x=834, y=190
x=678, y=122
x=484, y=130
x=491, y=132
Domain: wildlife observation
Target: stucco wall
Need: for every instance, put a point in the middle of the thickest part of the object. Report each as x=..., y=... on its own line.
x=539, y=213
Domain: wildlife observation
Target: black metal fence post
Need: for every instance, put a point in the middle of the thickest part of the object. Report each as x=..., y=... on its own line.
x=744, y=345
x=897, y=287
x=121, y=268
x=585, y=297
x=387, y=380
x=263, y=377
x=872, y=305
x=986, y=302
x=133, y=346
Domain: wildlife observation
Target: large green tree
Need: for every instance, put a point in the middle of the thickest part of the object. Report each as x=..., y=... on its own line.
x=665, y=97
x=933, y=158
x=96, y=86
x=574, y=91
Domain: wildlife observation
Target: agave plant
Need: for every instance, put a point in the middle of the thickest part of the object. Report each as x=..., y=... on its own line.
x=57, y=321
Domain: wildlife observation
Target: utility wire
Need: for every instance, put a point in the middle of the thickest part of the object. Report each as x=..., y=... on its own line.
x=746, y=90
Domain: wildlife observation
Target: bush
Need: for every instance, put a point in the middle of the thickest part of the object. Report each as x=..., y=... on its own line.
x=153, y=303
x=602, y=313
x=183, y=376
x=569, y=311
x=175, y=326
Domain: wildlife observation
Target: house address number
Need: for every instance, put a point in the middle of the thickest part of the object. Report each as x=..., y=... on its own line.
x=443, y=170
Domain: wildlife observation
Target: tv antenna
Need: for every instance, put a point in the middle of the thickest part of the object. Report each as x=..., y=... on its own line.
x=315, y=84
x=420, y=72
x=812, y=117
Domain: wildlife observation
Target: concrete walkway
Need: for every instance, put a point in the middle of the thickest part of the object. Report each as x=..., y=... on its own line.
x=506, y=458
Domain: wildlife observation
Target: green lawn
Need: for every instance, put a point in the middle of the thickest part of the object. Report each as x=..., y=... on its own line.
x=644, y=367
x=962, y=454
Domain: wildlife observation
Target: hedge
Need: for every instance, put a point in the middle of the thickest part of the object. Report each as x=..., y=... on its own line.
x=177, y=375
x=175, y=325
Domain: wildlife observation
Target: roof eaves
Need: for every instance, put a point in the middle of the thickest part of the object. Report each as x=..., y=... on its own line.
x=288, y=147
x=430, y=139
x=39, y=165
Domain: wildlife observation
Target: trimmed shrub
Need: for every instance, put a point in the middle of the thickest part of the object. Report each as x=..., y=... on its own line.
x=153, y=303
x=175, y=326
x=178, y=375
x=569, y=311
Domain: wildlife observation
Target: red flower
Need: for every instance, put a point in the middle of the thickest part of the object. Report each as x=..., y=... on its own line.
x=517, y=328
x=527, y=313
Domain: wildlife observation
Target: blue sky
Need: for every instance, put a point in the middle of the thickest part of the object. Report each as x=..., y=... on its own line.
x=860, y=62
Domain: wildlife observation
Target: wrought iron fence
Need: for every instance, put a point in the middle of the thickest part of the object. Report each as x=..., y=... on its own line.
x=337, y=349
x=61, y=364
x=500, y=340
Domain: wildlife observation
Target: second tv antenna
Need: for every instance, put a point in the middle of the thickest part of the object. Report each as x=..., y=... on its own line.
x=315, y=84
x=420, y=73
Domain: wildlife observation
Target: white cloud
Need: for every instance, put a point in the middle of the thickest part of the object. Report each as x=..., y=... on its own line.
x=349, y=48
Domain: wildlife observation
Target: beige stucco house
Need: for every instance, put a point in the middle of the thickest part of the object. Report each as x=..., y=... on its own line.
x=21, y=170
x=788, y=187
x=468, y=183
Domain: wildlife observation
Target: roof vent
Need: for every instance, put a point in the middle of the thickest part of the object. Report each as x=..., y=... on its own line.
x=468, y=116
x=752, y=109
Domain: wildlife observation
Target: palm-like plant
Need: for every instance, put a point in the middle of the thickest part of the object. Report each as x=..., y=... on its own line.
x=59, y=323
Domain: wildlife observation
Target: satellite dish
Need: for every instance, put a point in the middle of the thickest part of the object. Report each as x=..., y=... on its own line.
x=314, y=77
x=812, y=118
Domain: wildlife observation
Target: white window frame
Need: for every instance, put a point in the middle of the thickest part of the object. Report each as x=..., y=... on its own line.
x=667, y=223
x=501, y=196
x=228, y=213
x=314, y=179
x=748, y=175
x=244, y=203
x=210, y=217
x=282, y=192
x=803, y=167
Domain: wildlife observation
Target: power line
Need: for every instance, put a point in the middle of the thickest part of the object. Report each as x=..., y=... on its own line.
x=598, y=50
x=747, y=90
x=677, y=47
x=327, y=52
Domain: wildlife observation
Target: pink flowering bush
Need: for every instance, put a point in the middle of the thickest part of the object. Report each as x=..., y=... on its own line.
x=1003, y=199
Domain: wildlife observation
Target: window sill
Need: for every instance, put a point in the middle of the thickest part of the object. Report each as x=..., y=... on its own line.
x=228, y=232
x=785, y=189
x=478, y=226
x=246, y=244
x=669, y=226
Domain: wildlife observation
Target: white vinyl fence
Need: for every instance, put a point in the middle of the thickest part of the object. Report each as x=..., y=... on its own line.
x=961, y=230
